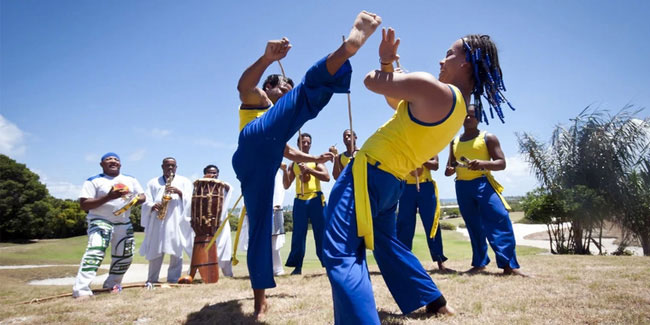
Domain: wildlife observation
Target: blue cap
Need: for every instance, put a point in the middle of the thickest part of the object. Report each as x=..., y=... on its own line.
x=110, y=154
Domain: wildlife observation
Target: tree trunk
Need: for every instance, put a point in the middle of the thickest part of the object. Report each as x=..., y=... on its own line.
x=645, y=243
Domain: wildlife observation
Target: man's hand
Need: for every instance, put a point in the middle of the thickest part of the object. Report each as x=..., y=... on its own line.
x=333, y=150
x=304, y=172
x=476, y=164
x=364, y=25
x=277, y=49
x=388, y=46
x=116, y=193
x=417, y=171
x=156, y=207
x=283, y=166
x=325, y=157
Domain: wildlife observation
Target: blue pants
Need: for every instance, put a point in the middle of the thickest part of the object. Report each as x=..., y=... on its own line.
x=260, y=151
x=304, y=212
x=345, y=253
x=424, y=201
x=486, y=217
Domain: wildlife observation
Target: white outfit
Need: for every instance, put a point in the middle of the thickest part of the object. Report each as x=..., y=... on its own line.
x=171, y=235
x=105, y=228
x=224, y=241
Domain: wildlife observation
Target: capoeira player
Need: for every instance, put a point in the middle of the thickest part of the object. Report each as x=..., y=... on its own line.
x=361, y=214
x=269, y=117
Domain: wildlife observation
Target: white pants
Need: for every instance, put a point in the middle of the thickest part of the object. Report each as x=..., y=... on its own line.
x=277, y=242
x=173, y=272
x=100, y=234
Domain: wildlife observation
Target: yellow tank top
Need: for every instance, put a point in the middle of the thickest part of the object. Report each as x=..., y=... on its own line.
x=476, y=149
x=311, y=188
x=424, y=177
x=401, y=145
x=471, y=149
x=345, y=160
x=248, y=114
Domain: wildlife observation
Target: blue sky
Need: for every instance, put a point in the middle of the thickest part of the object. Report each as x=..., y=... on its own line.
x=150, y=79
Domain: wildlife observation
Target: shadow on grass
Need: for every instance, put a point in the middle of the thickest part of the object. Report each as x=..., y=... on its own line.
x=227, y=312
x=392, y=318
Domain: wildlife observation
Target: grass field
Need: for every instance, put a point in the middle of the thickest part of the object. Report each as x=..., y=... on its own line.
x=565, y=289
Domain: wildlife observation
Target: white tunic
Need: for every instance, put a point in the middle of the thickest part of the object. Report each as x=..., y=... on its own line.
x=173, y=234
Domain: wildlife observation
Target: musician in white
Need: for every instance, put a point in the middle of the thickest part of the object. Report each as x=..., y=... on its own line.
x=171, y=233
x=104, y=197
x=224, y=241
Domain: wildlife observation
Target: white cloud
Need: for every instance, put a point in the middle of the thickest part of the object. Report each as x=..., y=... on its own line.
x=517, y=178
x=59, y=189
x=155, y=133
x=159, y=133
x=137, y=155
x=11, y=138
x=205, y=142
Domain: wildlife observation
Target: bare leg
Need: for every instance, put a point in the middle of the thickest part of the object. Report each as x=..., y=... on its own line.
x=261, y=306
x=364, y=25
x=444, y=310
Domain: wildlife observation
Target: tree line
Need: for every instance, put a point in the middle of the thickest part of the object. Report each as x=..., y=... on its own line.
x=593, y=172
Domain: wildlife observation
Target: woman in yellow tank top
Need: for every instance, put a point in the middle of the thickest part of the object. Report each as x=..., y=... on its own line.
x=361, y=213
x=472, y=156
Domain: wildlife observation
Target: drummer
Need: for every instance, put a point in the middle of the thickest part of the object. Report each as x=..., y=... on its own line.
x=224, y=241
x=100, y=196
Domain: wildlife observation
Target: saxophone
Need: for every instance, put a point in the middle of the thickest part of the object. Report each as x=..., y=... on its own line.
x=167, y=196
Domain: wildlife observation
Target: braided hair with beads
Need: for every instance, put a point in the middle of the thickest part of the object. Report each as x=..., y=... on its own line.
x=481, y=52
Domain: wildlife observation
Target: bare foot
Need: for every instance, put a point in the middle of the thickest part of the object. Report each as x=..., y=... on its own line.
x=261, y=306
x=511, y=271
x=444, y=269
x=476, y=270
x=364, y=25
x=446, y=310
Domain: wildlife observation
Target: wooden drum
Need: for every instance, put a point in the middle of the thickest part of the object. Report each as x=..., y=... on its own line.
x=207, y=205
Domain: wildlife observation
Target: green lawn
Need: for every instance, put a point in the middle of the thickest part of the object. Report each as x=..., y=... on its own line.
x=70, y=250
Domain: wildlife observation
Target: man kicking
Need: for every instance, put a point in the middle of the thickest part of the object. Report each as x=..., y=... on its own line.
x=269, y=117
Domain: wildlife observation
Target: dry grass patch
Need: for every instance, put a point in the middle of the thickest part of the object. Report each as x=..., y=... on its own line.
x=565, y=289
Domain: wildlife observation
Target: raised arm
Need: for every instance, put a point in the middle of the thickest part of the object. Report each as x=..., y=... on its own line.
x=388, y=54
x=296, y=155
x=287, y=176
x=430, y=100
x=251, y=95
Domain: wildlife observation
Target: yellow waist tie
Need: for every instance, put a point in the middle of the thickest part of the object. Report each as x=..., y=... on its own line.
x=362, y=199
x=498, y=188
x=436, y=216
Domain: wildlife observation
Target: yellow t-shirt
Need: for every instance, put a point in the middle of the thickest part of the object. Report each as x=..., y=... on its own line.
x=311, y=188
x=248, y=114
x=401, y=145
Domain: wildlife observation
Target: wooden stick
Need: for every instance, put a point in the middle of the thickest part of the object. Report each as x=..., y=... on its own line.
x=354, y=145
x=282, y=69
x=102, y=290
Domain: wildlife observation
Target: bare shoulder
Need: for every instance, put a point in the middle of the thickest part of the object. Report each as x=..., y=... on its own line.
x=435, y=102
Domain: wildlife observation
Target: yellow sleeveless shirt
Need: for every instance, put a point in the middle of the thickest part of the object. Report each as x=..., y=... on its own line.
x=475, y=149
x=248, y=114
x=311, y=188
x=401, y=145
x=345, y=160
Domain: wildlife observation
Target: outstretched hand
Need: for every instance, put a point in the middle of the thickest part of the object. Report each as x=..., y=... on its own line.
x=277, y=49
x=388, y=46
x=325, y=157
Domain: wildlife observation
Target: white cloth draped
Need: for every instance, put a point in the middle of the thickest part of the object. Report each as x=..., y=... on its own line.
x=173, y=234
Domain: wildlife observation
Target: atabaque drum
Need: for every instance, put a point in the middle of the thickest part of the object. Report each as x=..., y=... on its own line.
x=207, y=205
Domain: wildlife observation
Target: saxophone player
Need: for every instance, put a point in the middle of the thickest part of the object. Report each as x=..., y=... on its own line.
x=166, y=219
